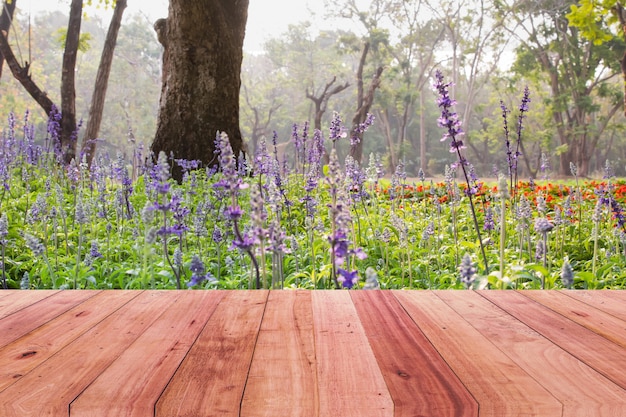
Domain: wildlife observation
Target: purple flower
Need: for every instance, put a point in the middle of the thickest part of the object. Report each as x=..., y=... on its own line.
x=567, y=274
x=198, y=275
x=543, y=225
x=230, y=180
x=217, y=235
x=187, y=165
x=4, y=229
x=348, y=279
x=336, y=128
x=34, y=245
x=449, y=119
x=234, y=212
x=94, y=252
x=467, y=271
x=489, y=222
x=245, y=243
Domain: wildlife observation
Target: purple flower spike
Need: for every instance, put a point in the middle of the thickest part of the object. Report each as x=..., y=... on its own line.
x=348, y=279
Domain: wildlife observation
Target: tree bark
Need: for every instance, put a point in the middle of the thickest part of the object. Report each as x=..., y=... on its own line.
x=102, y=80
x=364, y=103
x=68, y=88
x=321, y=101
x=6, y=18
x=22, y=75
x=200, y=94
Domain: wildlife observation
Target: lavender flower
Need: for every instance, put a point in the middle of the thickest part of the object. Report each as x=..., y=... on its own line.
x=348, y=279
x=337, y=130
x=94, y=252
x=489, y=223
x=4, y=229
x=567, y=274
x=371, y=279
x=34, y=245
x=25, y=282
x=428, y=232
x=523, y=108
x=198, y=275
x=467, y=271
x=361, y=128
x=449, y=119
x=230, y=180
x=543, y=225
x=507, y=142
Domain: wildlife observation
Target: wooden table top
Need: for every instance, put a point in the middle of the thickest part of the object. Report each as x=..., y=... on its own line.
x=312, y=353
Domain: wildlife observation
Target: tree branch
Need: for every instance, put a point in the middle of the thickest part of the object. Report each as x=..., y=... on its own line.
x=22, y=75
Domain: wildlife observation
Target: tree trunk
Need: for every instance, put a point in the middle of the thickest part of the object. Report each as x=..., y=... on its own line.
x=68, y=88
x=102, y=80
x=423, y=160
x=364, y=103
x=321, y=101
x=6, y=18
x=22, y=75
x=200, y=94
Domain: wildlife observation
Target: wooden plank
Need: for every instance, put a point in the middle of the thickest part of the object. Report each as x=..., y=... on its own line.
x=420, y=382
x=350, y=381
x=20, y=299
x=582, y=390
x=499, y=385
x=596, y=320
x=283, y=376
x=602, y=300
x=147, y=365
x=49, y=389
x=596, y=351
x=29, y=318
x=23, y=355
x=211, y=379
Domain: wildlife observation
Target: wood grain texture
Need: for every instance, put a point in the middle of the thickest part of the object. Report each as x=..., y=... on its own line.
x=582, y=390
x=283, y=377
x=17, y=359
x=211, y=379
x=312, y=353
x=589, y=347
x=20, y=299
x=146, y=366
x=66, y=374
x=14, y=326
x=419, y=380
x=492, y=377
x=350, y=381
x=602, y=300
x=604, y=324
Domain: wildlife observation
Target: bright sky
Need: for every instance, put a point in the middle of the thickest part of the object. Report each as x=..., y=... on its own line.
x=266, y=18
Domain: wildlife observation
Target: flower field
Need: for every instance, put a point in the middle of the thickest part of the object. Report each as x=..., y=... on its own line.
x=121, y=223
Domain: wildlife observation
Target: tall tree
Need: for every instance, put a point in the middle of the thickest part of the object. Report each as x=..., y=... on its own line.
x=68, y=87
x=102, y=81
x=200, y=97
x=365, y=99
x=577, y=72
x=320, y=101
x=21, y=72
x=602, y=21
x=6, y=17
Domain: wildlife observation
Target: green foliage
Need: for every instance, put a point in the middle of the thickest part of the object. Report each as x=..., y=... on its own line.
x=388, y=221
x=83, y=41
x=595, y=19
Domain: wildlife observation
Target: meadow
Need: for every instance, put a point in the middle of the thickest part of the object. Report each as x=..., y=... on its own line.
x=307, y=222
